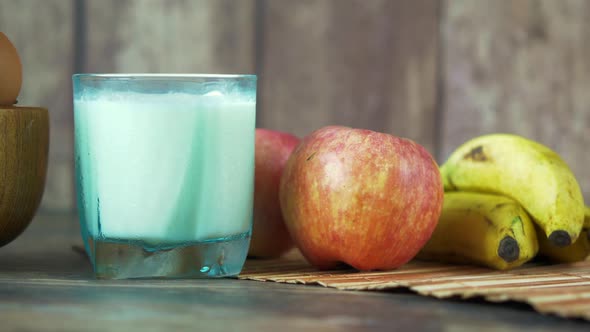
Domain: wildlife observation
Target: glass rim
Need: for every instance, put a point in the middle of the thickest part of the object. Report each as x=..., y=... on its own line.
x=124, y=76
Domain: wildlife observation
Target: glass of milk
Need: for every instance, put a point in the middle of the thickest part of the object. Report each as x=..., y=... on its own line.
x=165, y=173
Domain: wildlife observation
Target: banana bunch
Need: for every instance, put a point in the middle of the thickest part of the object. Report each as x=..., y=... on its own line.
x=508, y=199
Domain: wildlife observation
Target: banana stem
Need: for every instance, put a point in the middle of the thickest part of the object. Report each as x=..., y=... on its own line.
x=560, y=238
x=508, y=249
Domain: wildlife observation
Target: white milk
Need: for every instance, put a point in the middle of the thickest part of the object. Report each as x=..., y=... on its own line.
x=165, y=168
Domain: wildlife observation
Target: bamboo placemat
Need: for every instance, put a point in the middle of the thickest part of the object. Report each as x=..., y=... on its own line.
x=563, y=290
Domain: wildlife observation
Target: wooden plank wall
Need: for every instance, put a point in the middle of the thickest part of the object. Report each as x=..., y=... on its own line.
x=170, y=36
x=436, y=72
x=521, y=67
x=369, y=64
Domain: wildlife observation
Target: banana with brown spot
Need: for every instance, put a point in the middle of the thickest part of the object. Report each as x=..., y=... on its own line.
x=526, y=171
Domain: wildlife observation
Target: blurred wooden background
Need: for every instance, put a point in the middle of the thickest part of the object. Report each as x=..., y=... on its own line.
x=438, y=72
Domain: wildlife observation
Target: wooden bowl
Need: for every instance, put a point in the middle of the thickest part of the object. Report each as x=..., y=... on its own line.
x=24, y=145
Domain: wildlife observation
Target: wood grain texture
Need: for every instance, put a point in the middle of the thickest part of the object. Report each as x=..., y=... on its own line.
x=367, y=64
x=45, y=286
x=520, y=67
x=24, y=144
x=177, y=36
x=45, y=45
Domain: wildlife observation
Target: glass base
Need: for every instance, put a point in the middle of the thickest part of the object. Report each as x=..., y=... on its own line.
x=123, y=259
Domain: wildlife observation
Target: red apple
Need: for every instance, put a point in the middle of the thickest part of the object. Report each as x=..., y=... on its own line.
x=270, y=237
x=367, y=199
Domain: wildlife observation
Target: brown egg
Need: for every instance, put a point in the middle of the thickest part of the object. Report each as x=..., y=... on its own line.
x=11, y=72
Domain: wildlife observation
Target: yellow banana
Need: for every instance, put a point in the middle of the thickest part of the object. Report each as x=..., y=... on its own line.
x=483, y=229
x=526, y=171
x=587, y=217
x=578, y=251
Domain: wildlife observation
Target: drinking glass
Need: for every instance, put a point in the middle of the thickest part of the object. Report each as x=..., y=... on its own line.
x=165, y=173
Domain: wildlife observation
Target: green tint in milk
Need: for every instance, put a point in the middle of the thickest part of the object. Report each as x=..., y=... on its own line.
x=164, y=170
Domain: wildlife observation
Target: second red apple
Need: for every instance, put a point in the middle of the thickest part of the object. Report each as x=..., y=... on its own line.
x=269, y=233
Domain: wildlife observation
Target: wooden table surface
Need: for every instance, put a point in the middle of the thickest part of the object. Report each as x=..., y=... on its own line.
x=45, y=285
